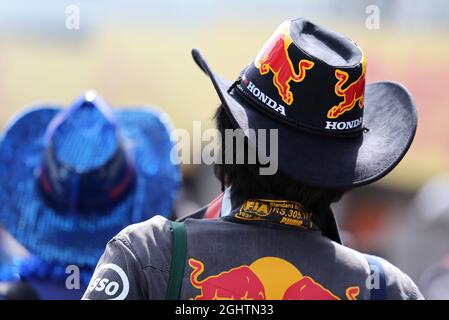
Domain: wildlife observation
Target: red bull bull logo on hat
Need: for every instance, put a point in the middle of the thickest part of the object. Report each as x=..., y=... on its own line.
x=274, y=57
x=267, y=278
x=352, y=94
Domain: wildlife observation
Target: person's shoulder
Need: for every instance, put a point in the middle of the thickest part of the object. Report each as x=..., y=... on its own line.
x=152, y=236
x=147, y=229
x=399, y=285
x=351, y=259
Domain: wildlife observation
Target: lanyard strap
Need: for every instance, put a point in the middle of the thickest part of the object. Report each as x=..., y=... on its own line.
x=179, y=248
x=376, y=267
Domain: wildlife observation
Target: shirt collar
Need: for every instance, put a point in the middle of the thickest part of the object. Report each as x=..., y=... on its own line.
x=267, y=209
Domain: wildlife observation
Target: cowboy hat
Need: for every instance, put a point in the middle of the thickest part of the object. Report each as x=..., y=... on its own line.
x=308, y=83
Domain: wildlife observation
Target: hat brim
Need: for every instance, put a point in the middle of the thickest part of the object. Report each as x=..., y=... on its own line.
x=318, y=160
x=74, y=237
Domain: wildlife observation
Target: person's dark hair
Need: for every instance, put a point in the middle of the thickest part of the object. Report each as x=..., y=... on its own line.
x=247, y=182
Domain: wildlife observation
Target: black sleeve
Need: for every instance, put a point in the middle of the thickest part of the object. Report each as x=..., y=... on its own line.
x=118, y=275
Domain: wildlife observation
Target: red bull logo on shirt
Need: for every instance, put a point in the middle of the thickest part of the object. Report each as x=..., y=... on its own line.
x=267, y=278
x=239, y=283
x=274, y=57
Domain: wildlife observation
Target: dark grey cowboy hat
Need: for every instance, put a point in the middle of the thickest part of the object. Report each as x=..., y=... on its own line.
x=309, y=83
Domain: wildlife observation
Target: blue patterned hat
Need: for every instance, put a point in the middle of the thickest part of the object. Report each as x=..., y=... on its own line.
x=71, y=179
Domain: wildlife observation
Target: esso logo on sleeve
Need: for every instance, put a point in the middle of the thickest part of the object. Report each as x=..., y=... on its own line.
x=113, y=283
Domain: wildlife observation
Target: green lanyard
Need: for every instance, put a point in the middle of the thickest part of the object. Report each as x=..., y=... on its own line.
x=179, y=248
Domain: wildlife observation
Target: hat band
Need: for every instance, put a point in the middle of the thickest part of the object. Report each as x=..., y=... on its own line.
x=236, y=87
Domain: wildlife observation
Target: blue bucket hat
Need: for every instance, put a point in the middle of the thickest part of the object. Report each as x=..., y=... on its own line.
x=71, y=179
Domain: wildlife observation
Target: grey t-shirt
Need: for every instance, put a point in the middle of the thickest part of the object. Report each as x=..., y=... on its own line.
x=226, y=259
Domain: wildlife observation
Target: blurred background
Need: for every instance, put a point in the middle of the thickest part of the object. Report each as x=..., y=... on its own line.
x=138, y=53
